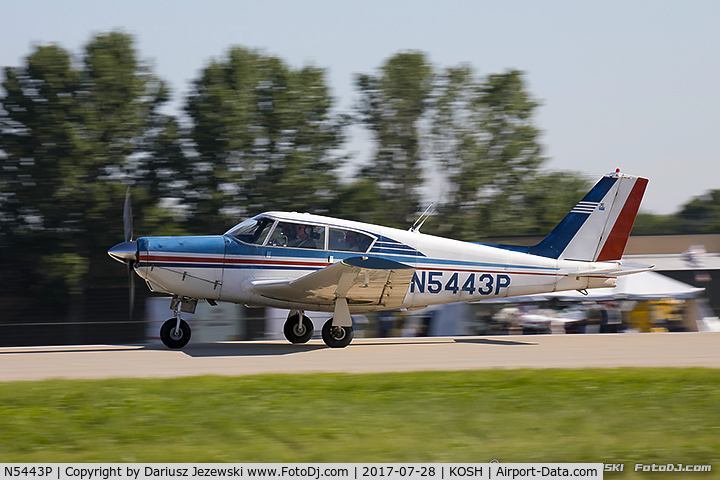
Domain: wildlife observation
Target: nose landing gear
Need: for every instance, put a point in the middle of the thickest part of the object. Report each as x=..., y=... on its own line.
x=175, y=333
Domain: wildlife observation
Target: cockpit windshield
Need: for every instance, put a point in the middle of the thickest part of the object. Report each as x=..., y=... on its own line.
x=252, y=230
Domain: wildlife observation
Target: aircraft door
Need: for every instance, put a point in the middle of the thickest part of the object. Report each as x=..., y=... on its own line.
x=245, y=258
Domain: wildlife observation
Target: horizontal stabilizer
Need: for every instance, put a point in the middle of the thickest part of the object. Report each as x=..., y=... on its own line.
x=614, y=269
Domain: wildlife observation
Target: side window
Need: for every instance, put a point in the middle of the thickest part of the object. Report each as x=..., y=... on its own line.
x=348, y=240
x=283, y=235
x=287, y=234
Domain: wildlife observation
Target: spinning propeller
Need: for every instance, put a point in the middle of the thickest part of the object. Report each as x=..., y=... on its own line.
x=127, y=252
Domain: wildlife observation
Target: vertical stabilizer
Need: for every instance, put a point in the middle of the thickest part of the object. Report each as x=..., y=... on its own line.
x=598, y=227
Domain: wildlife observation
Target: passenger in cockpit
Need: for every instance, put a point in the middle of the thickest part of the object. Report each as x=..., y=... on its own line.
x=353, y=241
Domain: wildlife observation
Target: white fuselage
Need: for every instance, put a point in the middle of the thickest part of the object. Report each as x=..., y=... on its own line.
x=225, y=267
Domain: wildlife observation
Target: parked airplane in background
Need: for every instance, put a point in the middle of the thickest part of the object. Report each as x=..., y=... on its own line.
x=306, y=262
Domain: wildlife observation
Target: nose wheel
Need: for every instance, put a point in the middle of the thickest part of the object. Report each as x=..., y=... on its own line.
x=175, y=335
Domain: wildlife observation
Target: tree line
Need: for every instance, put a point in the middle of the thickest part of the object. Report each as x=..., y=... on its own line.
x=257, y=134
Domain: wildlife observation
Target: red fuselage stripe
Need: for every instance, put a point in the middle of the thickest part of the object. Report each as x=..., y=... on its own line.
x=233, y=261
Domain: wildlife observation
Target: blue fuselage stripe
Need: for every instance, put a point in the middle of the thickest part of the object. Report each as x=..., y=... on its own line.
x=289, y=263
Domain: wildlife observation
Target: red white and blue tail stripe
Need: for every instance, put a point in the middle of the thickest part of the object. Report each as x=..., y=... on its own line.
x=598, y=227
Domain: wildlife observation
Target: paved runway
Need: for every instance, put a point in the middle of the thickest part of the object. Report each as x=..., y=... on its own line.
x=364, y=355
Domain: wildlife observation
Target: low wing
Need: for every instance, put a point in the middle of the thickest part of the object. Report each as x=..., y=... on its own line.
x=359, y=280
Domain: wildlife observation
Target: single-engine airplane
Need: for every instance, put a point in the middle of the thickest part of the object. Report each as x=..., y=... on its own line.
x=305, y=262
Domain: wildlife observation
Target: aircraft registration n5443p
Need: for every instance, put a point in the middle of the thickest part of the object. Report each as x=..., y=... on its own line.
x=305, y=262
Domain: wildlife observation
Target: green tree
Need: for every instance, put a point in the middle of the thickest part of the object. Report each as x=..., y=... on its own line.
x=39, y=144
x=484, y=140
x=651, y=224
x=361, y=201
x=71, y=133
x=700, y=215
x=265, y=138
x=392, y=105
x=121, y=101
x=546, y=200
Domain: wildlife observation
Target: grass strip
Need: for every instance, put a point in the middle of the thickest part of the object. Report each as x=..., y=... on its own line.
x=604, y=415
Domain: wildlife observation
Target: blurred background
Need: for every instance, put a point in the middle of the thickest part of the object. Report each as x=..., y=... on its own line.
x=254, y=133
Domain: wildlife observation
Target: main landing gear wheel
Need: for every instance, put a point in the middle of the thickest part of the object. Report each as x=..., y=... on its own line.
x=297, y=330
x=336, y=337
x=172, y=337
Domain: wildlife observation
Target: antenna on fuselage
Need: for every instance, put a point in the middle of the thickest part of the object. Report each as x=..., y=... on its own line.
x=421, y=219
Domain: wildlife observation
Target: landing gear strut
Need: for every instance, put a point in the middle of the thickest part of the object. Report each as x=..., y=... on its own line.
x=175, y=332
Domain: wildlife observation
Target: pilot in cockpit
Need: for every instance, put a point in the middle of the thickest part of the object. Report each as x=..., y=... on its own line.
x=304, y=236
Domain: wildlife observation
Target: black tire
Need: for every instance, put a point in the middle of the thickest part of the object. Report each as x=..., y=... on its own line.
x=173, y=339
x=296, y=332
x=336, y=337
